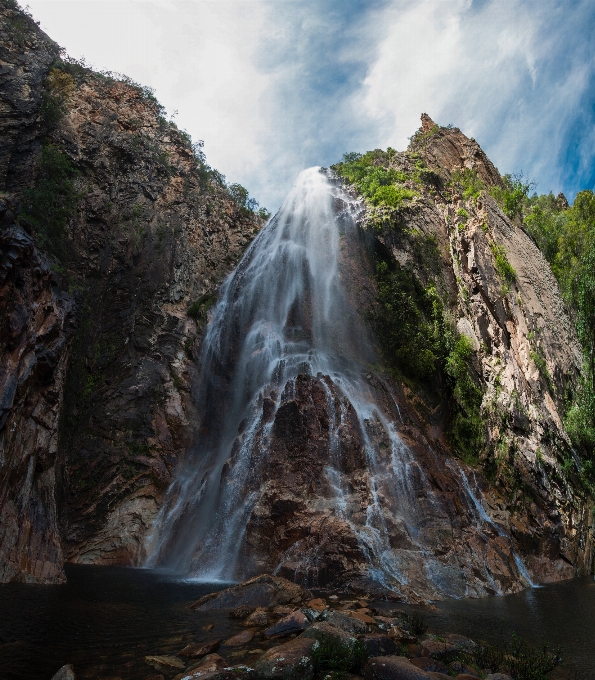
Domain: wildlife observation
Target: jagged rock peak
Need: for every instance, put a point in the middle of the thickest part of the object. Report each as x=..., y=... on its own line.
x=427, y=123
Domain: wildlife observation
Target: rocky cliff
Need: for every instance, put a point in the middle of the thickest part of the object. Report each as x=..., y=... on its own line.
x=115, y=236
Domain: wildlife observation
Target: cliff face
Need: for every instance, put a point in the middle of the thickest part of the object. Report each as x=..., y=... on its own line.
x=501, y=295
x=94, y=303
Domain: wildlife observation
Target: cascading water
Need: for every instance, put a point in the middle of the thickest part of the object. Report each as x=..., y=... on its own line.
x=299, y=467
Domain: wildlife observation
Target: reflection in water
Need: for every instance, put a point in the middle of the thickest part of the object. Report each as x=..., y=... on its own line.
x=107, y=619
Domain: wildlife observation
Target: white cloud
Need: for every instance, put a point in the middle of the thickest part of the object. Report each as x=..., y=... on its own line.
x=273, y=86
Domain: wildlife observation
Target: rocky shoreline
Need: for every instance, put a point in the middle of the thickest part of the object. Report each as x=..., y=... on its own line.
x=285, y=632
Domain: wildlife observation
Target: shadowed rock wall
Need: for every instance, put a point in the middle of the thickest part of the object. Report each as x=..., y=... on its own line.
x=153, y=232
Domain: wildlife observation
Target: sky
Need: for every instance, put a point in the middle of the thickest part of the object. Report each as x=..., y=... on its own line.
x=275, y=86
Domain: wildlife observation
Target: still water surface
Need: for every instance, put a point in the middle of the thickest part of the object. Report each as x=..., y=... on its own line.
x=106, y=619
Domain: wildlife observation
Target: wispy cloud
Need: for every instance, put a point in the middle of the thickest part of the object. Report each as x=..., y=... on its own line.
x=273, y=86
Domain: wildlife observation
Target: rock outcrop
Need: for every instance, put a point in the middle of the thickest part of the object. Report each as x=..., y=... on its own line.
x=97, y=346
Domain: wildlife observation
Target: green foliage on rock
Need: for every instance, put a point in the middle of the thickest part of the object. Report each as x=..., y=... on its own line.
x=503, y=267
x=58, y=89
x=566, y=237
x=512, y=195
x=53, y=199
x=382, y=186
x=330, y=653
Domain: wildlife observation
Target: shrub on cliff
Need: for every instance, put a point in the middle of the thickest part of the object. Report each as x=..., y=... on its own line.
x=53, y=199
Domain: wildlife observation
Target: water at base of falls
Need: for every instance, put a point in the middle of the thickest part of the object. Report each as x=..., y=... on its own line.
x=286, y=349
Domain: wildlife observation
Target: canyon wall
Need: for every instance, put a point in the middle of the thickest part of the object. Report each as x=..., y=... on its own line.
x=97, y=345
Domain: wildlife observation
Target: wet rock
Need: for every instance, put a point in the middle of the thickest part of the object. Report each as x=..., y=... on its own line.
x=318, y=604
x=282, y=610
x=239, y=640
x=352, y=625
x=164, y=663
x=324, y=630
x=436, y=649
x=197, y=649
x=260, y=591
x=377, y=644
x=438, y=676
x=363, y=616
x=468, y=676
x=426, y=663
x=241, y=612
x=291, y=661
x=392, y=668
x=296, y=622
x=259, y=617
x=65, y=673
x=498, y=676
x=210, y=664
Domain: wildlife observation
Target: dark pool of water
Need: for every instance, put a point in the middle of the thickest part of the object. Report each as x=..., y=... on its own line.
x=559, y=614
x=107, y=619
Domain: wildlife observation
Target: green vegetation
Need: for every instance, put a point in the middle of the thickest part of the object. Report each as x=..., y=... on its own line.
x=512, y=196
x=566, y=237
x=199, y=308
x=58, y=90
x=380, y=185
x=503, y=267
x=331, y=654
x=53, y=200
x=471, y=184
x=420, y=343
x=517, y=659
x=417, y=623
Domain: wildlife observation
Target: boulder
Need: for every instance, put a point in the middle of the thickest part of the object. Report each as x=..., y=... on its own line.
x=210, y=664
x=467, y=676
x=198, y=649
x=323, y=630
x=319, y=604
x=378, y=644
x=461, y=642
x=295, y=622
x=498, y=676
x=65, y=673
x=393, y=668
x=438, y=676
x=260, y=591
x=165, y=663
x=346, y=622
x=436, y=649
x=426, y=663
x=239, y=640
x=240, y=612
x=363, y=615
x=259, y=617
x=291, y=661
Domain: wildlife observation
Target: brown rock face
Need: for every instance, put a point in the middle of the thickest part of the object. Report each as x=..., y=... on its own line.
x=151, y=234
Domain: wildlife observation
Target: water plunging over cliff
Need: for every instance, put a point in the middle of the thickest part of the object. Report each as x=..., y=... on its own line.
x=300, y=467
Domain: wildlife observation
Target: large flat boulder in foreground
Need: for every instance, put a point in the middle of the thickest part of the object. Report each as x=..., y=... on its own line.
x=260, y=591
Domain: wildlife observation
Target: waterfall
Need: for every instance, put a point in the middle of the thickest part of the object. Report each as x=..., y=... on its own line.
x=286, y=323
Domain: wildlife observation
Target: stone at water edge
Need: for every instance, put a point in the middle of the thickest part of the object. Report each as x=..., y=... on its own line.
x=401, y=637
x=462, y=669
x=363, y=616
x=197, y=649
x=295, y=622
x=345, y=622
x=498, y=676
x=258, y=617
x=461, y=642
x=318, y=603
x=290, y=661
x=210, y=664
x=239, y=640
x=437, y=650
x=393, y=668
x=260, y=591
x=323, y=630
x=165, y=663
x=65, y=673
x=240, y=612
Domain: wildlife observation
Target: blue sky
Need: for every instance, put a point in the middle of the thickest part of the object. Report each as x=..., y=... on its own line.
x=274, y=86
